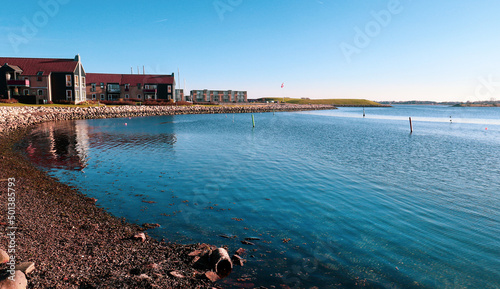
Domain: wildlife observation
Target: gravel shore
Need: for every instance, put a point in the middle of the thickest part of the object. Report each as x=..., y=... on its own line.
x=74, y=243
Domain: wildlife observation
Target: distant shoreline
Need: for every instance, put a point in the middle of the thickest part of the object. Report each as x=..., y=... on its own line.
x=452, y=103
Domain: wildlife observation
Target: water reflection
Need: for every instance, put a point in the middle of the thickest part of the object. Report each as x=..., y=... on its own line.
x=63, y=146
x=66, y=144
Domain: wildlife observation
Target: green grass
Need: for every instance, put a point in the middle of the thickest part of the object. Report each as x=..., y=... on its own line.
x=357, y=102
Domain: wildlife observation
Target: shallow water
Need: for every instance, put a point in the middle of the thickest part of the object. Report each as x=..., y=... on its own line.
x=336, y=199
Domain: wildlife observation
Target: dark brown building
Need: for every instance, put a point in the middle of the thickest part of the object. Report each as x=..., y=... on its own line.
x=45, y=79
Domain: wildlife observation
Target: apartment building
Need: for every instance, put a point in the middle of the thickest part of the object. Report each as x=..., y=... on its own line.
x=218, y=96
x=179, y=95
x=46, y=79
x=104, y=86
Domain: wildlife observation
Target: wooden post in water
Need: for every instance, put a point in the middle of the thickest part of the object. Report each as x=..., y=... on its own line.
x=411, y=126
x=253, y=121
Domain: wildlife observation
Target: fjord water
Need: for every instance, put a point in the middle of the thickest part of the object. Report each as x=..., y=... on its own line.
x=337, y=200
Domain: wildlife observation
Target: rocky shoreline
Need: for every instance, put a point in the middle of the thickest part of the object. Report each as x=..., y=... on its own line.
x=18, y=117
x=71, y=242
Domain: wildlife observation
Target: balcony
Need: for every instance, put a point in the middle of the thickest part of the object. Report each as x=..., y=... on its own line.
x=113, y=88
x=149, y=90
x=19, y=83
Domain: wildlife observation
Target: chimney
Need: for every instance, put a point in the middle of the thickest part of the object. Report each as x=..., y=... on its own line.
x=143, y=71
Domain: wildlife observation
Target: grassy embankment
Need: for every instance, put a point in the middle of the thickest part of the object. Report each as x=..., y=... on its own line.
x=336, y=102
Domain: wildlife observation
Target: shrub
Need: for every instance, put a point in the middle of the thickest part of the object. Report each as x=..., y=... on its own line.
x=165, y=102
x=64, y=101
x=206, y=103
x=12, y=100
x=117, y=102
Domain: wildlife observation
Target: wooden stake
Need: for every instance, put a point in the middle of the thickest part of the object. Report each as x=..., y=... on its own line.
x=411, y=126
x=253, y=121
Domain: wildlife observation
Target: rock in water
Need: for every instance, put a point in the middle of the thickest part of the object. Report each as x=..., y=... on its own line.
x=140, y=236
x=237, y=260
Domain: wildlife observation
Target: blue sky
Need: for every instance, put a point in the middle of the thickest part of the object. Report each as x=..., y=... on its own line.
x=378, y=50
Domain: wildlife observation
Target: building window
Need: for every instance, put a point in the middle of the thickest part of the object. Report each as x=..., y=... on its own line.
x=40, y=92
x=83, y=81
x=169, y=89
x=139, y=86
x=77, y=82
x=113, y=87
x=39, y=75
x=92, y=87
x=68, y=80
x=77, y=95
x=69, y=94
x=26, y=92
x=102, y=85
x=84, y=96
x=126, y=96
x=102, y=97
x=139, y=96
x=94, y=96
x=127, y=87
x=146, y=86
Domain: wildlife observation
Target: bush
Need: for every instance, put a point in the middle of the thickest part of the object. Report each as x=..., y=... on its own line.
x=206, y=103
x=182, y=102
x=117, y=102
x=12, y=100
x=63, y=102
x=88, y=102
x=165, y=102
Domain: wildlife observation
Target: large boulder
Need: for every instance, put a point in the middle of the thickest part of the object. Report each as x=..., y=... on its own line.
x=4, y=257
x=18, y=281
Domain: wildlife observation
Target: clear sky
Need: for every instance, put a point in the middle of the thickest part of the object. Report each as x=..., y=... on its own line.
x=378, y=49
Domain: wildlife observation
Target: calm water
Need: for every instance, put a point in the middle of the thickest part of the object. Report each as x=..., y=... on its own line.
x=337, y=200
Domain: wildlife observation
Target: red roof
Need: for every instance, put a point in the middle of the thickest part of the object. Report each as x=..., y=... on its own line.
x=31, y=66
x=131, y=79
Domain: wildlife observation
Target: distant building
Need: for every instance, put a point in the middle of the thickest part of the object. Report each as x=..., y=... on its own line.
x=102, y=86
x=43, y=78
x=218, y=96
x=179, y=95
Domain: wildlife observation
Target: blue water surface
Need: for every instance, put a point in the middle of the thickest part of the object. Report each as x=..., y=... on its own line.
x=337, y=200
